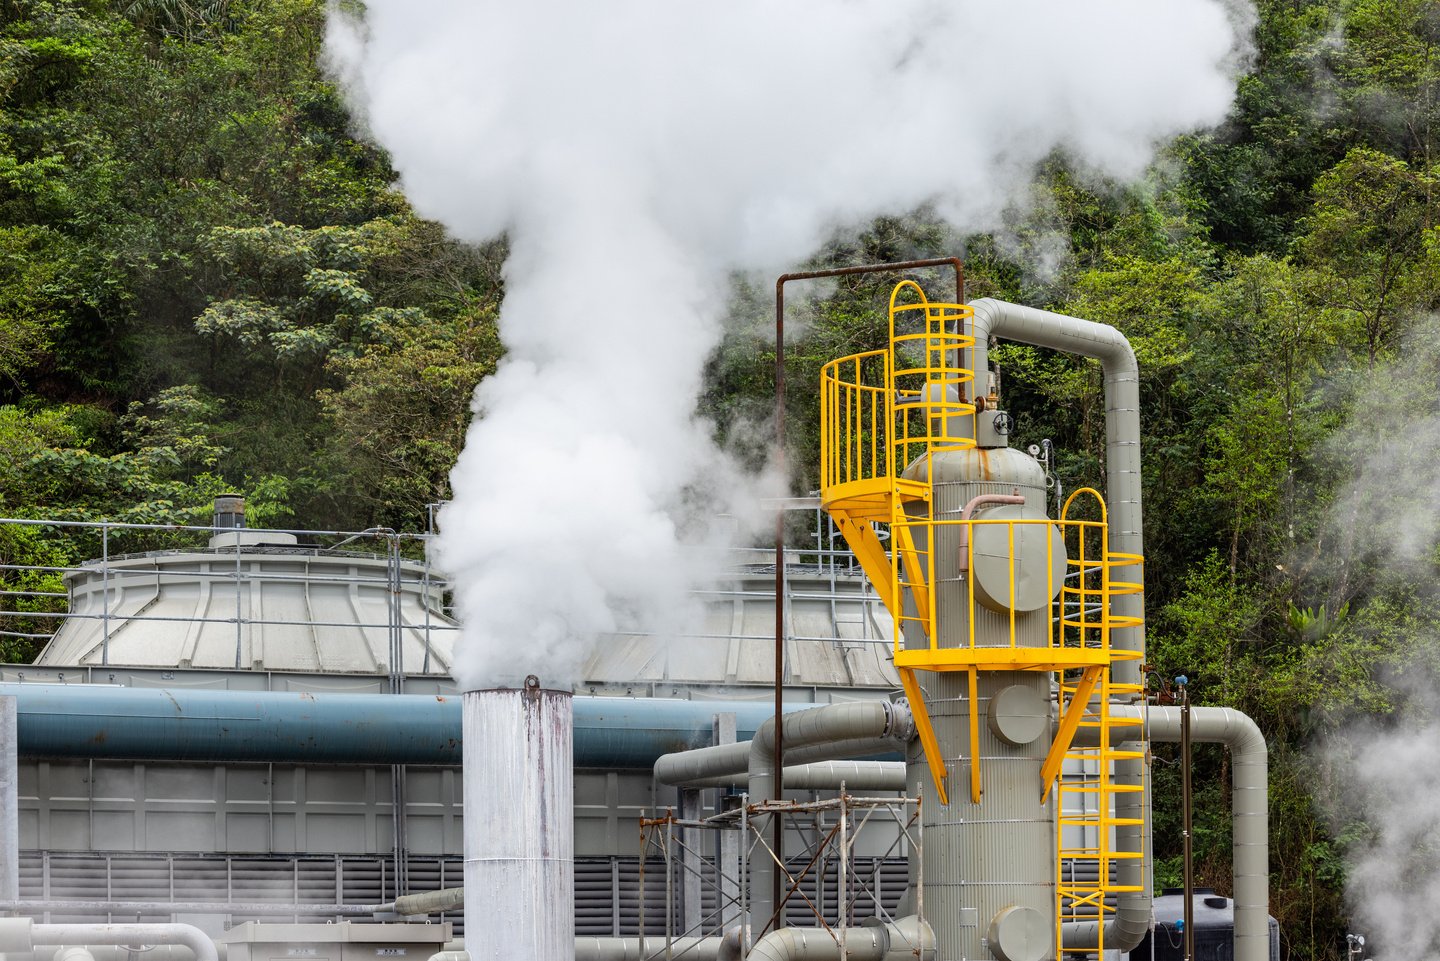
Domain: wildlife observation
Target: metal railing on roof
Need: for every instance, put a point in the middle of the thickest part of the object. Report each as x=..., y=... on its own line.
x=37, y=598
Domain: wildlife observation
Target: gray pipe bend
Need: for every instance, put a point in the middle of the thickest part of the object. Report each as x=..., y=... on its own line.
x=460, y=955
x=732, y=945
x=187, y=934
x=832, y=723
x=74, y=953
x=1122, y=428
x=1250, y=841
x=1104, y=343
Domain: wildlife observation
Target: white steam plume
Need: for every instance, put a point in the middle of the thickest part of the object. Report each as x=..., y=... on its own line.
x=1385, y=772
x=638, y=150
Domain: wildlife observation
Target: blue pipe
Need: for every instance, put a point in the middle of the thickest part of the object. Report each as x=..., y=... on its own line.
x=217, y=726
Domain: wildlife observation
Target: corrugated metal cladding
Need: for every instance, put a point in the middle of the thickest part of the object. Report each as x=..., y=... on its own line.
x=607, y=890
x=236, y=808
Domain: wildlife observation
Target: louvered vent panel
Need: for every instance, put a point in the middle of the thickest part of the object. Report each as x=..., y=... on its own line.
x=365, y=880
x=595, y=896
x=607, y=890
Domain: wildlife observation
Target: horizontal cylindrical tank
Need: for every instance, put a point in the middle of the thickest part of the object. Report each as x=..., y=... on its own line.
x=1214, y=920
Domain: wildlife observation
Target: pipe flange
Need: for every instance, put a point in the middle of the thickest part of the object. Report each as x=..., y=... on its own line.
x=899, y=720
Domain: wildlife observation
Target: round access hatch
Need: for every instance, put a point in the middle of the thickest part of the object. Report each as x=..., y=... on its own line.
x=1038, y=561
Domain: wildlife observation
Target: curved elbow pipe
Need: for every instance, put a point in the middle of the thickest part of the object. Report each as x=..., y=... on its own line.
x=1250, y=841
x=84, y=934
x=969, y=511
x=1104, y=343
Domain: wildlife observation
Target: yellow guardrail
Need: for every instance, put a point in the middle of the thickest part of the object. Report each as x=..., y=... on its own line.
x=882, y=409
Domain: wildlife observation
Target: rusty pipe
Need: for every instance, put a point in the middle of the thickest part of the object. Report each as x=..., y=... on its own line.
x=975, y=504
x=780, y=282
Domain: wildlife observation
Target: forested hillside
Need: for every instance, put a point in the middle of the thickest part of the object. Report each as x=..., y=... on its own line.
x=209, y=281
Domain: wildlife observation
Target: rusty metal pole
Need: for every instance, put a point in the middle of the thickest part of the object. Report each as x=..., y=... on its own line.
x=778, y=824
x=1187, y=814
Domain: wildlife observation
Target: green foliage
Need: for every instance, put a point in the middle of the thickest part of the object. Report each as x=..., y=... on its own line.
x=401, y=418
x=1366, y=240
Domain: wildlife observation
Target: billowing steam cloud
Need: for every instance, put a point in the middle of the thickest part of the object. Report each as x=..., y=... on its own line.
x=638, y=150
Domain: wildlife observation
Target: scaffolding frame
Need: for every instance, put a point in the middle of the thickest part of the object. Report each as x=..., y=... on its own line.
x=852, y=814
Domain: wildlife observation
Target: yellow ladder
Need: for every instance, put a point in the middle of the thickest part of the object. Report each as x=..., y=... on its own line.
x=1085, y=843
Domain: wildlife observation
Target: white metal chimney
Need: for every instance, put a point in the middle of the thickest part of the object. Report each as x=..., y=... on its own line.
x=519, y=824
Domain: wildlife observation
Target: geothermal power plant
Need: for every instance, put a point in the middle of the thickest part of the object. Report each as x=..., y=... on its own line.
x=921, y=730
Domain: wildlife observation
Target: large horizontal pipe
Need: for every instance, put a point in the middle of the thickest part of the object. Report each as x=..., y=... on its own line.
x=21, y=935
x=102, y=722
x=725, y=764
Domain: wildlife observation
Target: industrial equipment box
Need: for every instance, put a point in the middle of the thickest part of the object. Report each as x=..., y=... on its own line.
x=346, y=941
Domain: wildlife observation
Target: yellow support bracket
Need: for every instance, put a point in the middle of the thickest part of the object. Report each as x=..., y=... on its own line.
x=974, y=738
x=926, y=731
x=871, y=554
x=1069, y=724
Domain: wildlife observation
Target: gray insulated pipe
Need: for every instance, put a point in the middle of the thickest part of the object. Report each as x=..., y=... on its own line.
x=1042, y=328
x=21, y=936
x=726, y=764
x=828, y=776
x=1250, y=824
x=642, y=949
x=908, y=939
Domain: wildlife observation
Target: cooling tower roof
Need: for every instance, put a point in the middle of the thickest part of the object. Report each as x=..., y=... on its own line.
x=264, y=607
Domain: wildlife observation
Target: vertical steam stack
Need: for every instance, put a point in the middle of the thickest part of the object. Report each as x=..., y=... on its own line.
x=519, y=833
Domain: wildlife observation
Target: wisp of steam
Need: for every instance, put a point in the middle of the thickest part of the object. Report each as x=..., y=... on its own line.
x=636, y=153
x=1385, y=771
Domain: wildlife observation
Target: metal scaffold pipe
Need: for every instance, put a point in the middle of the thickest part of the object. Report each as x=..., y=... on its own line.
x=833, y=723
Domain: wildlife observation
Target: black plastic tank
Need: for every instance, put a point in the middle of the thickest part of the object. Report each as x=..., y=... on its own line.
x=1214, y=919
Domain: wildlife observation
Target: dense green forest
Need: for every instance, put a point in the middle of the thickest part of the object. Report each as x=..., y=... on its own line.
x=209, y=281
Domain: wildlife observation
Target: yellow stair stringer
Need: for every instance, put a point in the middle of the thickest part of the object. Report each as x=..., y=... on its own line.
x=874, y=561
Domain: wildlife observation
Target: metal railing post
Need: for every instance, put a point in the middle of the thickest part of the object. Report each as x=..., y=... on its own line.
x=105, y=593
